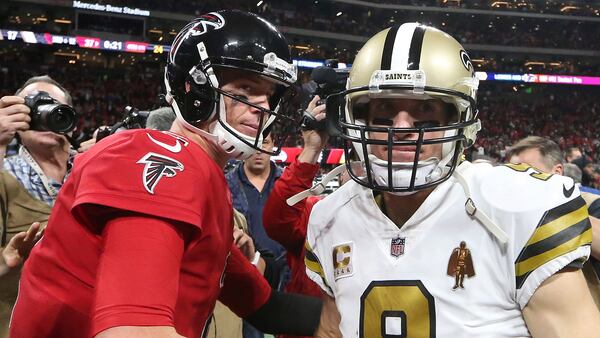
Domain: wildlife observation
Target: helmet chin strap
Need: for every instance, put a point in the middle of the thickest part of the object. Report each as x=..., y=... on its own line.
x=217, y=134
x=428, y=171
x=234, y=148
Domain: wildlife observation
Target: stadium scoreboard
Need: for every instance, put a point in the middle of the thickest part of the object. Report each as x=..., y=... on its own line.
x=89, y=42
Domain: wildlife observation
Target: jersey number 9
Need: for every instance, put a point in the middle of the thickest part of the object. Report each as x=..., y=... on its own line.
x=402, y=309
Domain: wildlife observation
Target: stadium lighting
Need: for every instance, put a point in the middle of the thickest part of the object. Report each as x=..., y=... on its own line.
x=301, y=47
x=258, y=4
x=568, y=8
x=499, y=3
x=339, y=14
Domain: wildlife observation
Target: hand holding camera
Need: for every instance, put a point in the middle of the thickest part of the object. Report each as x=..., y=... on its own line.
x=14, y=115
x=314, y=134
x=37, y=111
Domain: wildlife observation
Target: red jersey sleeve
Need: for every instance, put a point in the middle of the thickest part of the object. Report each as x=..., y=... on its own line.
x=287, y=224
x=147, y=172
x=138, y=275
x=244, y=289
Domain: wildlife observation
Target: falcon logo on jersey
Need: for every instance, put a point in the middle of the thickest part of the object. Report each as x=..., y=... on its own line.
x=157, y=166
x=342, y=260
x=397, y=246
x=460, y=264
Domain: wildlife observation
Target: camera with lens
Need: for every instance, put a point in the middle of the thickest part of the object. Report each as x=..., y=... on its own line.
x=47, y=114
x=132, y=119
x=329, y=79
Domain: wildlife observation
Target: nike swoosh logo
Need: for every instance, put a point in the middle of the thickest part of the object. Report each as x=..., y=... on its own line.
x=174, y=149
x=568, y=192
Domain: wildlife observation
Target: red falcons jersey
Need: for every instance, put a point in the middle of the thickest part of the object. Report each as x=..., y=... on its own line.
x=142, y=172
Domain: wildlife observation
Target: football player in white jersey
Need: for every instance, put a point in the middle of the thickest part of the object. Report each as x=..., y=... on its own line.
x=424, y=245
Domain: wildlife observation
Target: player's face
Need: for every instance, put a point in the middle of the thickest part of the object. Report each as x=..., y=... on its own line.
x=259, y=161
x=40, y=140
x=407, y=113
x=254, y=89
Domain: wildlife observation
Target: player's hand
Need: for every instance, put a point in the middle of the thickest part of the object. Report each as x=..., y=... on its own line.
x=315, y=139
x=19, y=247
x=244, y=242
x=330, y=320
x=14, y=116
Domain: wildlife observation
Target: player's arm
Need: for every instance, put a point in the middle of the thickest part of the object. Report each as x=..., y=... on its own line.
x=138, y=277
x=249, y=296
x=329, y=325
x=562, y=307
x=595, y=237
x=139, y=332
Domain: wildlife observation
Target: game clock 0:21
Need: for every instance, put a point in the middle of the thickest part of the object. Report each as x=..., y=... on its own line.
x=112, y=45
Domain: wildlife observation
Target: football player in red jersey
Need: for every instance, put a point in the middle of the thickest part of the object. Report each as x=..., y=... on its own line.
x=139, y=243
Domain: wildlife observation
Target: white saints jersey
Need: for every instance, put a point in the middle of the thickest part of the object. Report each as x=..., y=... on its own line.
x=443, y=274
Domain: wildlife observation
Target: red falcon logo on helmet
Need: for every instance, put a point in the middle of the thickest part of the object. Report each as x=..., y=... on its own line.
x=157, y=166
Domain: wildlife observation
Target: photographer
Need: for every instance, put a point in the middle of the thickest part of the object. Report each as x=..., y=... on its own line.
x=30, y=180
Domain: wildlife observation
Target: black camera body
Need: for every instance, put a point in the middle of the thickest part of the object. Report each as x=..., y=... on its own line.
x=47, y=114
x=329, y=79
x=132, y=119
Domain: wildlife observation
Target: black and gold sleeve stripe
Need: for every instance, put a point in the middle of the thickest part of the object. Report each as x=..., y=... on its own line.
x=313, y=264
x=561, y=230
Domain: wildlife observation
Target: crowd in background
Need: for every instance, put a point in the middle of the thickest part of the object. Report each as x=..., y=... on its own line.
x=582, y=8
x=509, y=112
x=364, y=21
x=565, y=114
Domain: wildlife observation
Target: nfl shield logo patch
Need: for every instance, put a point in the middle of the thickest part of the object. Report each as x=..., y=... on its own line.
x=397, y=247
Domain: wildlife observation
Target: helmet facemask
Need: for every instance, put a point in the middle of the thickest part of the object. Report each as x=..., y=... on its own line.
x=278, y=119
x=226, y=41
x=414, y=173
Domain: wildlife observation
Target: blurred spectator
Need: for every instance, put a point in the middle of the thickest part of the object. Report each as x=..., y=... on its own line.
x=571, y=170
x=587, y=170
x=538, y=152
x=160, y=119
x=287, y=224
x=251, y=182
x=29, y=180
x=572, y=153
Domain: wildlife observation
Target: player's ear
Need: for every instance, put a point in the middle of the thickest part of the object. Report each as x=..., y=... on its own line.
x=558, y=169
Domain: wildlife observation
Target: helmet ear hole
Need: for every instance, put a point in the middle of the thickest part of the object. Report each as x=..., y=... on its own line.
x=199, y=103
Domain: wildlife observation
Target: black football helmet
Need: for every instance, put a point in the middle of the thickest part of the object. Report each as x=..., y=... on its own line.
x=230, y=39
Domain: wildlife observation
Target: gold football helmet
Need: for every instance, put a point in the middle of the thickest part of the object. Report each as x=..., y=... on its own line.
x=416, y=62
